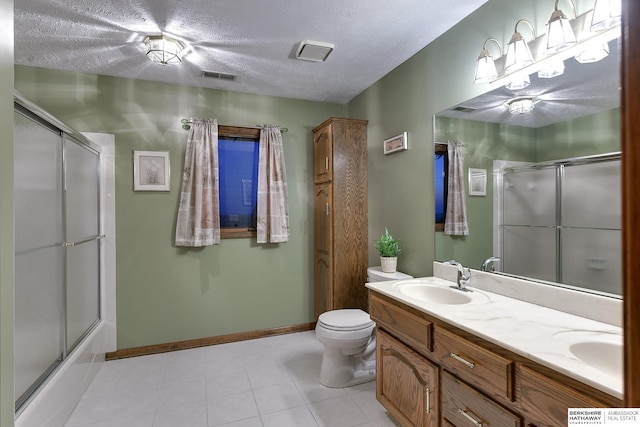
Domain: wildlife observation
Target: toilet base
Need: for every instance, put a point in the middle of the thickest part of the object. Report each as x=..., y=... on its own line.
x=339, y=370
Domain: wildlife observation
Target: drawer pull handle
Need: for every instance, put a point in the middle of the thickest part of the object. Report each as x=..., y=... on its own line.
x=470, y=418
x=427, y=396
x=465, y=361
x=327, y=209
x=326, y=163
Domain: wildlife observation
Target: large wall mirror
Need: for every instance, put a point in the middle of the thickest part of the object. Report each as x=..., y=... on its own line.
x=552, y=207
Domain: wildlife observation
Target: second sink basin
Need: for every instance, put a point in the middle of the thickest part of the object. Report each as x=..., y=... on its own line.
x=603, y=355
x=435, y=290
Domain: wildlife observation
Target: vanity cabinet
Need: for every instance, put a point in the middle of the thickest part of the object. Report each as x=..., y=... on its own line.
x=406, y=383
x=474, y=382
x=341, y=224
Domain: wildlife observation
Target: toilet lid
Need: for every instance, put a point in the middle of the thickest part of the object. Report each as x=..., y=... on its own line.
x=345, y=320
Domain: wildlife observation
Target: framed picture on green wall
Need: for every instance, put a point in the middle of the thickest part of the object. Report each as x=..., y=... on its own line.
x=151, y=171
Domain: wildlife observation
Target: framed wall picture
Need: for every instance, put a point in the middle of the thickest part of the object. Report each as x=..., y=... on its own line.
x=151, y=171
x=395, y=143
x=477, y=182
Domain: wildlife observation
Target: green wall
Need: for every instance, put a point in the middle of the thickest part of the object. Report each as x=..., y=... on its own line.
x=164, y=293
x=6, y=214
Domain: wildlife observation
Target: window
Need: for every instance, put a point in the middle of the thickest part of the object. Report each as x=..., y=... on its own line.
x=238, y=155
x=441, y=169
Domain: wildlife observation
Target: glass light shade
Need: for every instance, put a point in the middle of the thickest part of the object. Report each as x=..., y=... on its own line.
x=485, y=68
x=593, y=53
x=163, y=49
x=606, y=14
x=552, y=70
x=520, y=105
x=518, y=54
x=560, y=35
x=519, y=83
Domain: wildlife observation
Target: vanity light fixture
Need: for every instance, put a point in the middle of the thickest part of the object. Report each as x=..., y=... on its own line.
x=560, y=35
x=518, y=53
x=606, y=14
x=485, y=67
x=521, y=105
x=163, y=49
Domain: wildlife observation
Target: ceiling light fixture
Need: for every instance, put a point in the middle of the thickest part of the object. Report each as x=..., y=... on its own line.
x=560, y=35
x=485, y=67
x=518, y=53
x=521, y=105
x=519, y=82
x=606, y=14
x=163, y=49
x=551, y=70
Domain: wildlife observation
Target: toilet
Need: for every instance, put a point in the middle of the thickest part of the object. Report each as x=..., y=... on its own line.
x=349, y=341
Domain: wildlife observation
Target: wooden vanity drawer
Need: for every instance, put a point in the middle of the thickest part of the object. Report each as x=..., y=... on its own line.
x=411, y=328
x=478, y=366
x=545, y=401
x=463, y=406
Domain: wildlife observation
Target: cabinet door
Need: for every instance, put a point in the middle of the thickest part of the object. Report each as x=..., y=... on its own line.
x=323, y=249
x=324, y=218
x=406, y=383
x=323, y=155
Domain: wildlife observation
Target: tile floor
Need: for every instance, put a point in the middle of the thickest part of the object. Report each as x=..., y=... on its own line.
x=266, y=382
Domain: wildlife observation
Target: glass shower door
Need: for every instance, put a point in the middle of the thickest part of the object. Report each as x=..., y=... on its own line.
x=529, y=219
x=83, y=246
x=39, y=260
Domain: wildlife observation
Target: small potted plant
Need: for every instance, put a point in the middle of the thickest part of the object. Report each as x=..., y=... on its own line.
x=389, y=249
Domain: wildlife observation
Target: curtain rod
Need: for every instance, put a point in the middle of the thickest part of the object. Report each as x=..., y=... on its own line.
x=446, y=143
x=187, y=122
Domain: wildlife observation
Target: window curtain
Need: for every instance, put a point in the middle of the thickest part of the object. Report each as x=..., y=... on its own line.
x=273, y=200
x=456, y=218
x=198, y=221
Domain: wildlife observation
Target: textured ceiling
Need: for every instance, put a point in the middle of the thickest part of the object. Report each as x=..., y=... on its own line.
x=253, y=39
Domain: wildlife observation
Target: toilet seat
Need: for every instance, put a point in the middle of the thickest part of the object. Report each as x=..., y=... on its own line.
x=345, y=320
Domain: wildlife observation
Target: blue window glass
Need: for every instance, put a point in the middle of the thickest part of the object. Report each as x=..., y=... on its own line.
x=238, y=173
x=440, y=171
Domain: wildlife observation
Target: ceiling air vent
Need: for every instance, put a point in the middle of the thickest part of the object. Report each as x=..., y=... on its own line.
x=217, y=75
x=313, y=51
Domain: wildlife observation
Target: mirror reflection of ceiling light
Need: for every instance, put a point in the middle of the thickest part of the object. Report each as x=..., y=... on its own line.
x=521, y=105
x=560, y=35
x=594, y=53
x=163, y=49
x=551, y=70
x=485, y=66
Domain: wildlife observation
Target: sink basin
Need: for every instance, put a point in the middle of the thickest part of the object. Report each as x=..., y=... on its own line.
x=436, y=294
x=606, y=356
x=435, y=290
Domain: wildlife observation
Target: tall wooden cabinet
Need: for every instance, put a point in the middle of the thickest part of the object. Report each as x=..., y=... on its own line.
x=340, y=178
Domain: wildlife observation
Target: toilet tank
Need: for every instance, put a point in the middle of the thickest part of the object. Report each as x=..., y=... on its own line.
x=375, y=274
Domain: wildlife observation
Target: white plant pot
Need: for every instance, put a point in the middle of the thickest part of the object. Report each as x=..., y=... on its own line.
x=389, y=264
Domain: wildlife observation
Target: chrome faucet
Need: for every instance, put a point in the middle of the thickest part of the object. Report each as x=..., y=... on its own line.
x=463, y=278
x=488, y=261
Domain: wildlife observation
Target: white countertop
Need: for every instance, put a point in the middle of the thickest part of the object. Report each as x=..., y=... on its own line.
x=541, y=334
